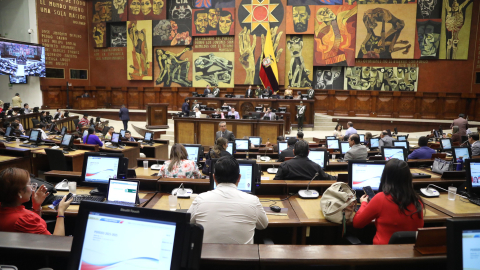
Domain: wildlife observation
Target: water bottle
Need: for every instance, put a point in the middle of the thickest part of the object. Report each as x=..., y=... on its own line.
x=459, y=163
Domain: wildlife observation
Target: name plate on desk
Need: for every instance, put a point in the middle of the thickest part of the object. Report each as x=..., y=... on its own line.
x=453, y=175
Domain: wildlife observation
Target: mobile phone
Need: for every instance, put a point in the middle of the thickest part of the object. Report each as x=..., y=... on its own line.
x=70, y=195
x=368, y=190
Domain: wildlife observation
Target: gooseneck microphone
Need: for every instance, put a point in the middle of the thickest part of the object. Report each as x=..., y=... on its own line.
x=309, y=194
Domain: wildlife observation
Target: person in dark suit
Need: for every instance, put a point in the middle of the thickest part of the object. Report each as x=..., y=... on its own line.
x=207, y=90
x=289, y=151
x=186, y=107
x=473, y=140
x=250, y=93
x=85, y=95
x=223, y=132
x=456, y=135
x=267, y=91
x=124, y=116
x=220, y=148
x=461, y=123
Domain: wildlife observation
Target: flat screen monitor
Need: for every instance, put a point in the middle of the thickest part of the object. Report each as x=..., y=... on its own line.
x=231, y=148
x=193, y=151
x=257, y=141
x=288, y=138
x=472, y=171
x=21, y=60
x=8, y=132
x=463, y=242
x=404, y=144
x=259, y=109
x=365, y=173
x=115, y=137
x=85, y=133
x=446, y=143
x=282, y=146
x=18, y=79
x=242, y=144
x=122, y=133
x=247, y=179
x=282, y=109
x=66, y=140
x=319, y=156
x=344, y=147
x=330, y=137
x=362, y=137
x=401, y=137
x=148, y=137
x=333, y=144
x=122, y=191
x=64, y=130
x=99, y=167
x=114, y=237
x=374, y=143
x=35, y=136
x=397, y=152
x=225, y=108
x=436, y=134
x=464, y=152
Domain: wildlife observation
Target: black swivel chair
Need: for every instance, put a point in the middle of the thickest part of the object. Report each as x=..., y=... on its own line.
x=57, y=160
x=105, y=130
x=76, y=121
x=35, y=122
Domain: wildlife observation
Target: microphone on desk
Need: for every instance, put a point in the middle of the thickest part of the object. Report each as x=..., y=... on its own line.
x=265, y=157
x=309, y=194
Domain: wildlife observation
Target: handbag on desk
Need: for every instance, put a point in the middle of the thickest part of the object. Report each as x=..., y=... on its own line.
x=338, y=204
x=440, y=166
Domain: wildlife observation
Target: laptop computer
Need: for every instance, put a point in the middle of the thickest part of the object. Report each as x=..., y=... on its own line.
x=123, y=192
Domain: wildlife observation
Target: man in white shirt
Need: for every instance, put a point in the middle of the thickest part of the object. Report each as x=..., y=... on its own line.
x=27, y=108
x=233, y=112
x=228, y=215
x=42, y=129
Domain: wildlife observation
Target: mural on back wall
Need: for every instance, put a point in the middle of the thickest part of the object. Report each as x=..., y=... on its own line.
x=300, y=19
x=381, y=78
x=147, y=10
x=328, y=78
x=429, y=9
x=173, y=66
x=119, y=11
x=100, y=35
x=118, y=35
x=386, y=1
x=314, y=2
x=139, y=50
x=102, y=11
x=213, y=69
x=214, y=3
x=299, y=71
x=428, y=39
x=171, y=33
x=456, y=24
x=213, y=22
x=335, y=28
x=386, y=31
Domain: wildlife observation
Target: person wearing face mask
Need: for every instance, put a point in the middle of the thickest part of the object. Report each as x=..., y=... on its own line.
x=16, y=189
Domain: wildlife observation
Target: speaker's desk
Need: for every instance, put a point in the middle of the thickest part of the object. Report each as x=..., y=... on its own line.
x=202, y=130
x=458, y=208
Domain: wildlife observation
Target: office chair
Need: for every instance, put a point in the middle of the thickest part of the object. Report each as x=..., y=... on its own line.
x=105, y=130
x=57, y=160
x=35, y=122
x=403, y=238
x=75, y=122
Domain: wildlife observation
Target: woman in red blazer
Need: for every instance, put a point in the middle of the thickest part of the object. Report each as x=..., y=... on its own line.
x=396, y=207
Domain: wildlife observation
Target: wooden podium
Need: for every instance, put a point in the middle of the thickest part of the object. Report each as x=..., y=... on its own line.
x=85, y=103
x=157, y=115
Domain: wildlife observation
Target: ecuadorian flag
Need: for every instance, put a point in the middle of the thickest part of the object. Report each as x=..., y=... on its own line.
x=268, y=67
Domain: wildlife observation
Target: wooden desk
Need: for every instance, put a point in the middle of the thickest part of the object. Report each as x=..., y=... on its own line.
x=25, y=119
x=157, y=150
x=73, y=209
x=130, y=152
x=67, y=122
x=244, y=105
x=456, y=208
x=85, y=103
x=18, y=162
x=202, y=130
x=74, y=159
x=157, y=115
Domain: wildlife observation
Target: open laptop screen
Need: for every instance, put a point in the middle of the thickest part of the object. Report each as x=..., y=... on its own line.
x=122, y=191
x=118, y=242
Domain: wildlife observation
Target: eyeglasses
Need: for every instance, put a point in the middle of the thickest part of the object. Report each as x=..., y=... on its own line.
x=33, y=186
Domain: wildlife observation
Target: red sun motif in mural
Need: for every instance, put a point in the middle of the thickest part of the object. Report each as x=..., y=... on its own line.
x=260, y=13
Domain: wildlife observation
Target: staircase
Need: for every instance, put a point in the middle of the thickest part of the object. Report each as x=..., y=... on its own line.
x=324, y=123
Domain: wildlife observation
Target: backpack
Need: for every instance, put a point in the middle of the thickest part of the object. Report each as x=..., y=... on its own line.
x=338, y=203
x=208, y=163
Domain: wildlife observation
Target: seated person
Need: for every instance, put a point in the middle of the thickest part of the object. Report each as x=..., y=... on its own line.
x=16, y=130
x=43, y=117
x=456, y=138
x=475, y=145
x=228, y=215
x=20, y=126
x=233, y=112
x=27, y=108
x=57, y=115
x=288, y=92
x=220, y=148
x=268, y=113
x=300, y=135
x=301, y=167
x=219, y=112
x=396, y=207
x=84, y=121
x=338, y=132
x=368, y=136
x=287, y=152
x=299, y=95
x=423, y=152
x=11, y=112
x=16, y=189
x=128, y=136
x=109, y=134
x=385, y=140
x=357, y=151
x=179, y=166
x=5, y=126
x=198, y=113
x=226, y=105
x=91, y=138
x=42, y=128
x=275, y=146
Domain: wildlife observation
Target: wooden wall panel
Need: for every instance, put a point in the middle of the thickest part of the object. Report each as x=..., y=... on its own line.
x=149, y=97
x=268, y=132
x=207, y=134
x=167, y=97
x=185, y=137
x=406, y=107
x=118, y=98
x=429, y=107
x=385, y=105
x=133, y=100
x=341, y=104
x=362, y=104
x=103, y=100
x=243, y=130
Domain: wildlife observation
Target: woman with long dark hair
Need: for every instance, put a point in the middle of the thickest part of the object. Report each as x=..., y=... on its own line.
x=220, y=148
x=179, y=166
x=396, y=207
x=338, y=131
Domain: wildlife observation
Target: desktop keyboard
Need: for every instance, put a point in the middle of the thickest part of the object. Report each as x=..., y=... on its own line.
x=28, y=145
x=147, y=144
x=475, y=201
x=79, y=198
x=111, y=147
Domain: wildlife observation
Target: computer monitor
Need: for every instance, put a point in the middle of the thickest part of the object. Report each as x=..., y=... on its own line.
x=282, y=109
x=114, y=236
x=333, y=144
x=464, y=152
x=259, y=109
x=115, y=138
x=148, y=137
x=257, y=141
x=225, y=108
x=123, y=191
x=304, y=96
x=288, y=138
x=362, y=138
x=215, y=116
x=405, y=144
x=319, y=156
x=242, y=144
x=401, y=137
x=122, y=133
x=193, y=151
x=436, y=133
x=282, y=146
x=363, y=173
x=231, y=148
x=446, y=144
x=67, y=142
x=63, y=131
x=85, y=133
x=374, y=143
x=398, y=152
x=8, y=132
x=463, y=242
x=247, y=179
x=330, y=137
x=98, y=168
x=35, y=137
x=344, y=147
x=472, y=172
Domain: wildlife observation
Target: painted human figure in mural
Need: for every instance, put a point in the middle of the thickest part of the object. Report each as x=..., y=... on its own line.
x=99, y=35
x=213, y=69
x=384, y=45
x=140, y=50
x=119, y=14
x=454, y=22
x=427, y=7
x=103, y=12
x=301, y=15
x=201, y=21
x=298, y=73
x=213, y=17
x=428, y=39
x=224, y=23
x=173, y=69
x=135, y=7
x=146, y=7
x=158, y=7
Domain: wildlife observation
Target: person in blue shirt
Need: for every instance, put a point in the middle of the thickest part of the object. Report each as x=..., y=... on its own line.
x=128, y=136
x=91, y=138
x=424, y=152
x=186, y=107
x=233, y=112
x=350, y=130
